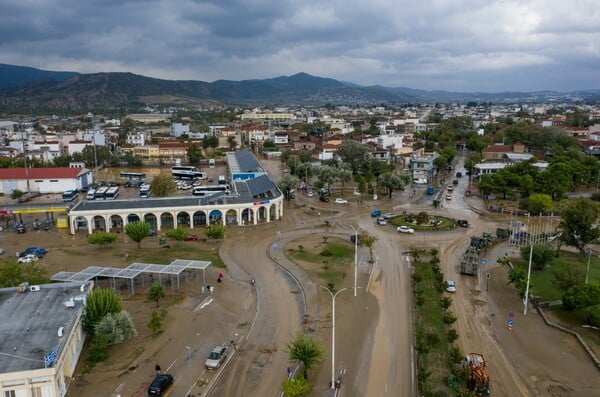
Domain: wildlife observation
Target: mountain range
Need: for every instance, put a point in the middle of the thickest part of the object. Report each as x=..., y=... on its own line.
x=25, y=89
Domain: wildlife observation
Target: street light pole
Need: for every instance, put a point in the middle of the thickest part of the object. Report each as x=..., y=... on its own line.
x=333, y=296
x=190, y=368
x=528, y=277
x=355, y=256
x=587, y=273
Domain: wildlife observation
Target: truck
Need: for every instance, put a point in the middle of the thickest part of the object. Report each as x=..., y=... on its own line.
x=430, y=190
x=478, y=379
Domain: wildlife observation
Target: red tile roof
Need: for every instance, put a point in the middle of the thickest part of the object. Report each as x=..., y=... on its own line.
x=39, y=173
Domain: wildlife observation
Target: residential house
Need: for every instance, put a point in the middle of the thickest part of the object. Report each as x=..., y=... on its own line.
x=498, y=151
x=422, y=167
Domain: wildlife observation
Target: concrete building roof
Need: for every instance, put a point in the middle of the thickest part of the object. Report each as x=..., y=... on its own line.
x=31, y=320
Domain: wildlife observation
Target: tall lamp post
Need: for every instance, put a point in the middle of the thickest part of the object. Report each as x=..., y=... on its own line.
x=190, y=368
x=355, y=255
x=333, y=296
x=587, y=273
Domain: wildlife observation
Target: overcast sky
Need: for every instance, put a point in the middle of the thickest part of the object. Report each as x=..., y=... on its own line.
x=457, y=45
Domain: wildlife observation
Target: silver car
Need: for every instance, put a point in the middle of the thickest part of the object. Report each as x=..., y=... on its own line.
x=216, y=357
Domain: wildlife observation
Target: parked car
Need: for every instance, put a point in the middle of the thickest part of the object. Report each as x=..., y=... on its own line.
x=389, y=215
x=405, y=229
x=381, y=221
x=191, y=237
x=324, y=199
x=375, y=213
x=450, y=188
x=1, y=251
x=455, y=182
x=29, y=258
x=39, y=252
x=448, y=197
x=21, y=229
x=450, y=286
x=459, y=174
x=216, y=357
x=310, y=194
x=340, y=200
x=160, y=384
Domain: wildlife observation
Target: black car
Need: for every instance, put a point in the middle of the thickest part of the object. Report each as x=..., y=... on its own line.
x=463, y=223
x=160, y=384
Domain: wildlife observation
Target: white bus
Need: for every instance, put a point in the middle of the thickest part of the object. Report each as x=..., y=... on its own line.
x=91, y=194
x=112, y=193
x=208, y=190
x=184, y=172
x=69, y=196
x=100, y=192
x=133, y=176
x=145, y=191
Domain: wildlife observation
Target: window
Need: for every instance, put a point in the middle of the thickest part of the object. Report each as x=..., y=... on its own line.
x=10, y=393
x=52, y=180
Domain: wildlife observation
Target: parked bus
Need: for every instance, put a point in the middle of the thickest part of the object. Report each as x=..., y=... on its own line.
x=69, y=196
x=211, y=163
x=112, y=193
x=184, y=172
x=91, y=194
x=133, y=176
x=222, y=180
x=208, y=190
x=100, y=192
x=145, y=191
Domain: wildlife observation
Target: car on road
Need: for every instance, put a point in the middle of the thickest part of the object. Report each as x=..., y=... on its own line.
x=191, y=237
x=310, y=194
x=459, y=174
x=160, y=384
x=450, y=188
x=216, y=357
x=375, y=213
x=451, y=286
x=340, y=200
x=462, y=223
x=389, y=215
x=455, y=182
x=29, y=258
x=448, y=197
x=324, y=199
x=381, y=222
x=405, y=229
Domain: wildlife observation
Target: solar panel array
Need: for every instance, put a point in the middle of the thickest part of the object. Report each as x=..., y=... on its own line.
x=260, y=185
x=246, y=162
x=132, y=271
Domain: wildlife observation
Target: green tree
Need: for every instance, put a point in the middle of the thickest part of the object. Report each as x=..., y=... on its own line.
x=194, y=153
x=344, y=175
x=582, y=296
x=98, y=349
x=567, y=278
x=593, y=315
x=369, y=241
x=16, y=194
x=155, y=323
x=355, y=154
x=286, y=184
x=163, y=185
x=215, y=232
x=62, y=161
x=393, y=181
x=156, y=293
x=327, y=175
x=579, y=223
x=116, y=327
x=269, y=145
x=232, y=142
x=539, y=203
x=176, y=234
x=305, y=349
x=13, y=273
x=89, y=155
x=99, y=303
x=210, y=141
x=295, y=387
x=102, y=238
x=540, y=257
x=137, y=231
x=518, y=277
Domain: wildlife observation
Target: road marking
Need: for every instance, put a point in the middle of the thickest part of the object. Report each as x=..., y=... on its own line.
x=120, y=387
x=203, y=304
x=170, y=366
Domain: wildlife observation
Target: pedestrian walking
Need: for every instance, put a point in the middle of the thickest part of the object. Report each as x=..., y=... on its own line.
x=157, y=368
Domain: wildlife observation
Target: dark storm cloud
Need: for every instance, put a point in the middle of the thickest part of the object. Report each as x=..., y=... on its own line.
x=467, y=45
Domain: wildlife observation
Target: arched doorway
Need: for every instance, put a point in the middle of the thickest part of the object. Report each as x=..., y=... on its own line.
x=273, y=212
x=183, y=219
x=166, y=221
x=231, y=217
x=151, y=220
x=262, y=215
x=133, y=218
x=98, y=223
x=199, y=218
x=247, y=216
x=116, y=223
x=216, y=217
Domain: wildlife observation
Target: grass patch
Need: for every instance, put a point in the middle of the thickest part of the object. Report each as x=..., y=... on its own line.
x=430, y=223
x=189, y=250
x=543, y=280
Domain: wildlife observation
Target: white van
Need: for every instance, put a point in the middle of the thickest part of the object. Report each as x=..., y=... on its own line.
x=211, y=163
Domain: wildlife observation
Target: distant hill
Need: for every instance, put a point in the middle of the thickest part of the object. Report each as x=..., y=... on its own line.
x=23, y=89
x=14, y=76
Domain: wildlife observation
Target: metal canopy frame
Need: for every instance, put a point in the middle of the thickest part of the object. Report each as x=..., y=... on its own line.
x=175, y=268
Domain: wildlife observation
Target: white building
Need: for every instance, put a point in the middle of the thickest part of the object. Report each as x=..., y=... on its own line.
x=178, y=129
x=136, y=139
x=44, y=180
x=43, y=340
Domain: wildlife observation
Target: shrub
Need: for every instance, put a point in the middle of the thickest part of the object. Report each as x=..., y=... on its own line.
x=593, y=315
x=432, y=339
x=449, y=318
x=452, y=335
x=176, y=234
x=446, y=302
x=326, y=252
